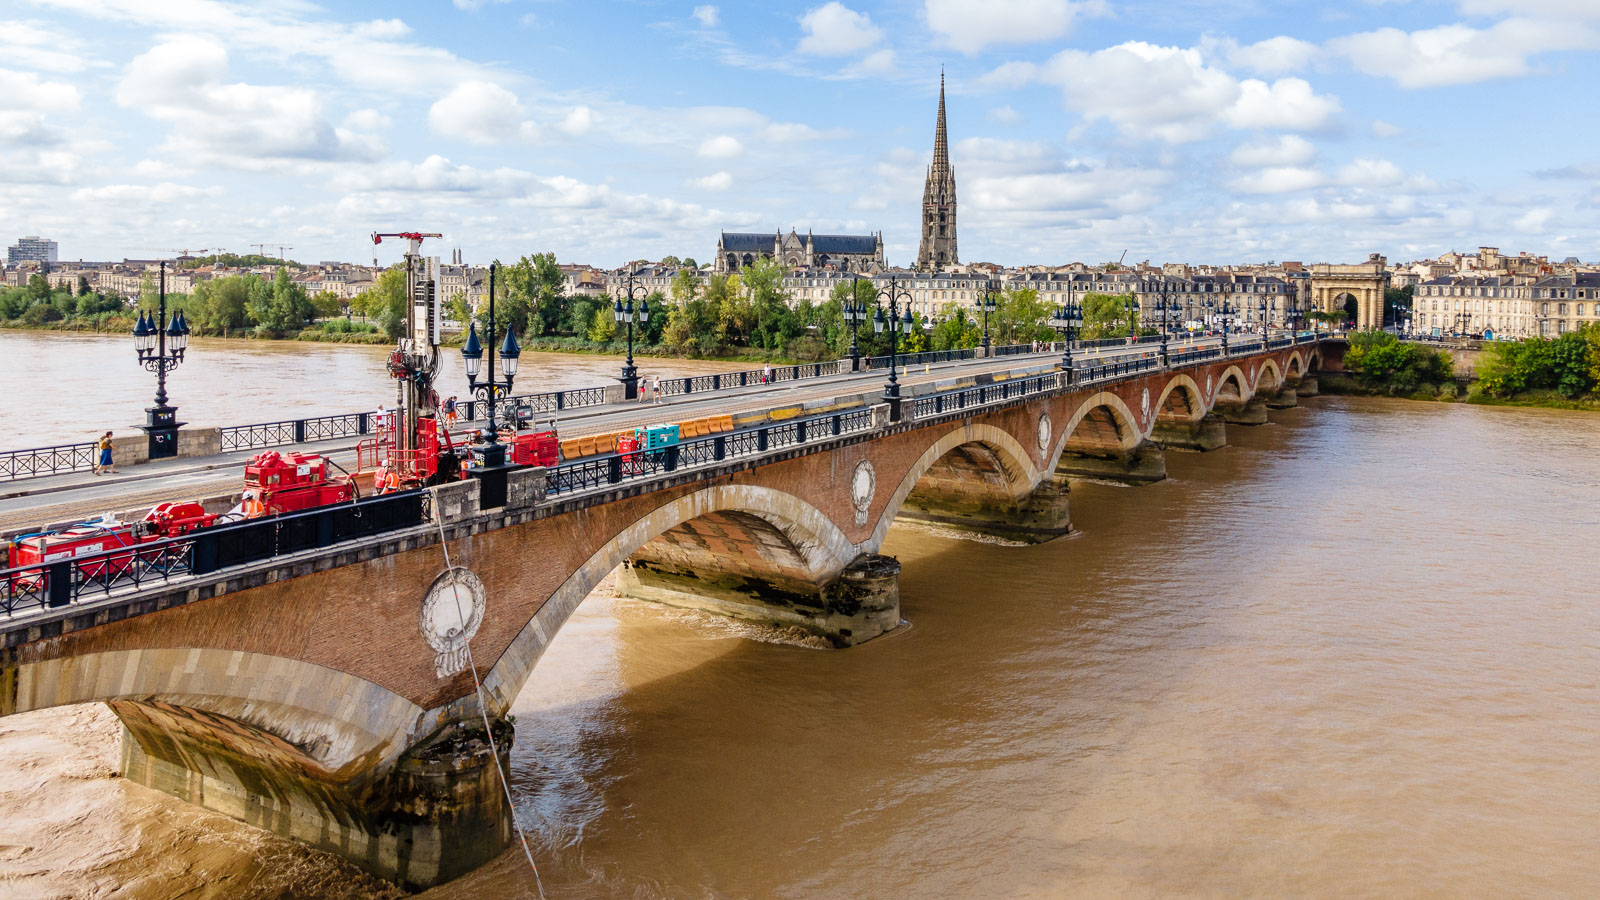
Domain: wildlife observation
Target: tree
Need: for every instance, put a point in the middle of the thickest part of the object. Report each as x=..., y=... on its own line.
x=386, y=301
x=774, y=322
x=327, y=305
x=222, y=304
x=1020, y=317
x=83, y=285
x=685, y=285
x=957, y=330
x=285, y=307
x=671, y=261
x=531, y=300
x=456, y=308
x=688, y=261
x=603, y=326
x=1108, y=316
x=1380, y=361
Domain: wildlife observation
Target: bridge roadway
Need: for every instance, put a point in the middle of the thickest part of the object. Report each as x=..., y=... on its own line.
x=308, y=674
x=56, y=500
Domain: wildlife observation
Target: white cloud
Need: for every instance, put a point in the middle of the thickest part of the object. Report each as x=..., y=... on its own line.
x=477, y=111
x=1577, y=9
x=181, y=81
x=879, y=62
x=971, y=25
x=1279, y=180
x=706, y=16
x=471, y=5
x=720, y=147
x=141, y=194
x=367, y=120
x=25, y=91
x=720, y=181
x=1169, y=93
x=36, y=46
x=834, y=29
x=1287, y=150
x=578, y=122
x=1383, y=129
x=1004, y=115
x=1534, y=221
x=1288, y=103
x=1459, y=54
x=1273, y=56
x=1370, y=172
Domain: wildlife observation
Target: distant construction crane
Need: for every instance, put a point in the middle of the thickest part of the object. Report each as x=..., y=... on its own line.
x=261, y=249
x=181, y=252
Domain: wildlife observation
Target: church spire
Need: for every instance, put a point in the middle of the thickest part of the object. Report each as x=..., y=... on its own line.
x=938, y=244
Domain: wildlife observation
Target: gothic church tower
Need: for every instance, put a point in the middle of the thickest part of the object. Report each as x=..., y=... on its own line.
x=938, y=249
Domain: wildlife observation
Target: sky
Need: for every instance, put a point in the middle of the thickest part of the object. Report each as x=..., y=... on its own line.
x=1221, y=131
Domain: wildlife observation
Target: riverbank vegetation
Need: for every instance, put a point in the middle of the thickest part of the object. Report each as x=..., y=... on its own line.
x=1562, y=372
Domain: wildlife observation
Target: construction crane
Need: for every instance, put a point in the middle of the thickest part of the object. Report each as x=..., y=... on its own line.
x=261, y=249
x=181, y=252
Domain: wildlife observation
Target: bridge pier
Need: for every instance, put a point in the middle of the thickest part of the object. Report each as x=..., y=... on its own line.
x=1144, y=464
x=1307, y=386
x=1037, y=516
x=1204, y=434
x=1286, y=398
x=434, y=814
x=1249, y=412
x=862, y=603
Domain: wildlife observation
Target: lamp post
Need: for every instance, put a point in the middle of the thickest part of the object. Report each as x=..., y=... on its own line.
x=855, y=312
x=160, y=350
x=1067, y=320
x=896, y=324
x=988, y=305
x=490, y=389
x=625, y=316
x=1226, y=311
x=1262, y=309
x=1164, y=314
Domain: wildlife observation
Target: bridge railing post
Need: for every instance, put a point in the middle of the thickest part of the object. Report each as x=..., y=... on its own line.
x=614, y=469
x=719, y=448
x=761, y=440
x=672, y=458
x=58, y=577
x=299, y=431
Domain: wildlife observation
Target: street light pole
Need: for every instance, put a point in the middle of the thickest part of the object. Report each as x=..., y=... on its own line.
x=625, y=315
x=1067, y=320
x=489, y=391
x=896, y=325
x=855, y=312
x=150, y=340
x=988, y=304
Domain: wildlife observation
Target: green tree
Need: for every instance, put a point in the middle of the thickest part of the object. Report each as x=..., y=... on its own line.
x=222, y=304
x=1020, y=317
x=603, y=325
x=671, y=261
x=956, y=329
x=327, y=305
x=283, y=308
x=1380, y=361
x=386, y=302
x=689, y=262
x=774, y=322
x=1108, y=316
x=530, y=298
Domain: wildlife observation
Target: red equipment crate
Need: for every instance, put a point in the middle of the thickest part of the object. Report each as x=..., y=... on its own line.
x=628, y=450
x=277, y=483
x=87, y=539
x=538, y=448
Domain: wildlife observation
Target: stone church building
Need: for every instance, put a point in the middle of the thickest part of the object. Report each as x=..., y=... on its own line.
x=845, y=252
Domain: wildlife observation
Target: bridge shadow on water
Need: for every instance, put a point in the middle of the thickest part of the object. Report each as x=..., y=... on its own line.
x=661, y=754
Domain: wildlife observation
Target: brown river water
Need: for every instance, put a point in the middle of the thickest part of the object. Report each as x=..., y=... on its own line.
x=1356, y=653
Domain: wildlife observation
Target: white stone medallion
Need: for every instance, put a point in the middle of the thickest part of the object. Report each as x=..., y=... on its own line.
x=1209, y=393
x=452, y=610
x=863, y=485
x=1144, y=406
x=1044, y=433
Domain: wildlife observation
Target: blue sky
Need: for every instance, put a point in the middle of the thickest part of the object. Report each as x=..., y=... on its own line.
x=1221, y=131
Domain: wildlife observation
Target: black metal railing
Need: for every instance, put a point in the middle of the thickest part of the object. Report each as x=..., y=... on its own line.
x=982, y=395
x=1195, y=355
x=672, y=387
x=1014, y=349
x=80, y=579
x=293, y=431
x=1117, y=369
x=39, y=461
x=611, y=469
x=917, y=359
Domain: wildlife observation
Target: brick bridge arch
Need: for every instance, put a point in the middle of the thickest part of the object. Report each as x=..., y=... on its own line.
x=972, y=466
x=817, y=550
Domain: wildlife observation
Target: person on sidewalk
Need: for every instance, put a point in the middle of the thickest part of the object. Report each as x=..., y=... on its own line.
x=655, y=388
x=105, y=464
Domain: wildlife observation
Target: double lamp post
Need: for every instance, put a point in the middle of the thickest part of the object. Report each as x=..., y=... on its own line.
x=161, y=350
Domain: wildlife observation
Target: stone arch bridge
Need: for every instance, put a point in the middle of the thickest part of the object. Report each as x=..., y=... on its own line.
x=325, y=695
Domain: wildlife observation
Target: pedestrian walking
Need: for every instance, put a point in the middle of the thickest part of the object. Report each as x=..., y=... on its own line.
x=644, y=388
x=766, y=374
x=655, y=388
x=450, y=411
x=105, y=464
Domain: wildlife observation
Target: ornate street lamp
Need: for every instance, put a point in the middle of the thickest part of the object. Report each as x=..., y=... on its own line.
x=896, y=324
x=1226, y=311
x=1067, y=320
x=988, y=305
x=490, y=390
x=855, y=312
x=625, y=315
x=161, y=350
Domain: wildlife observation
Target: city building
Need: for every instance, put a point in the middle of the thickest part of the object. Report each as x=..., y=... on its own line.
x=31, y=249
x=845, y=252
x=1506, y=306
x=938, y=246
